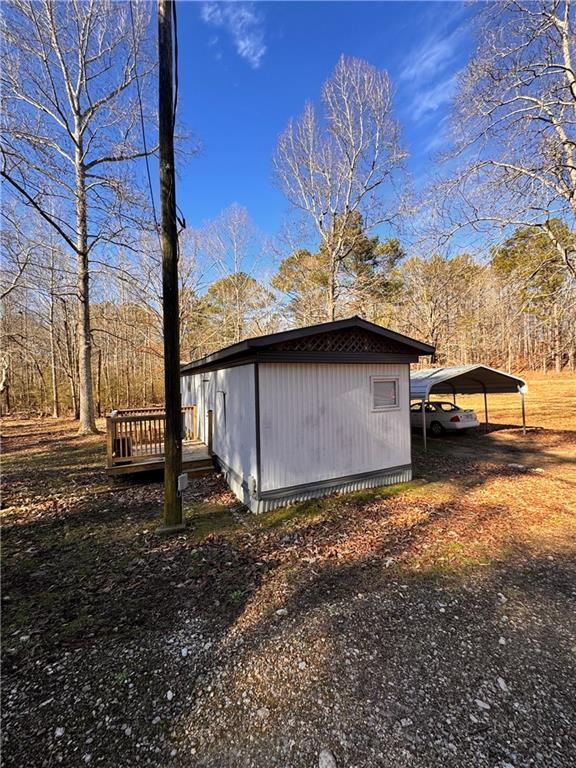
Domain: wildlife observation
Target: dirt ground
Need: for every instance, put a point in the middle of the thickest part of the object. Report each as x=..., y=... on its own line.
x=427, y=624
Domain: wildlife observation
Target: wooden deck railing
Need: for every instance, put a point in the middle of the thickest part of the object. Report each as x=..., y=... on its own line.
x=137, y=411
x=137, y=434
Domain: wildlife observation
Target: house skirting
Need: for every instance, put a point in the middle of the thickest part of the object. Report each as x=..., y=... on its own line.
x=283, y=497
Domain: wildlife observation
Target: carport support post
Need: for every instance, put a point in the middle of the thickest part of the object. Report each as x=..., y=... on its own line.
x=523, y=412
x=485, y=408
x=424, y=427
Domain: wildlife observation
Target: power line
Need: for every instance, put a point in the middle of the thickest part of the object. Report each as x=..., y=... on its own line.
x=142, y=125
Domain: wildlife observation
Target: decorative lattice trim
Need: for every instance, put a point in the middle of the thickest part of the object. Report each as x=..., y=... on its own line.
x=353, y=341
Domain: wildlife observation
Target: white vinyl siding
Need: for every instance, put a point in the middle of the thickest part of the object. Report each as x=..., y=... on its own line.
x=317, y=422
x=230, y=393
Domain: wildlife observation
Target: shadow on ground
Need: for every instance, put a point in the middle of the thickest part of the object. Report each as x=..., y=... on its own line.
x=389, y=631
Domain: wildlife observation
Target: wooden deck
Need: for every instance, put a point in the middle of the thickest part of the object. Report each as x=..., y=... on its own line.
x=135, y=442
x=195, y=460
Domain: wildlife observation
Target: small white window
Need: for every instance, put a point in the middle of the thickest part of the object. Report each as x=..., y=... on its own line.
x=384, y=394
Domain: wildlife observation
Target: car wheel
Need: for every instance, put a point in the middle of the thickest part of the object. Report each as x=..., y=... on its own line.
x=436, y=428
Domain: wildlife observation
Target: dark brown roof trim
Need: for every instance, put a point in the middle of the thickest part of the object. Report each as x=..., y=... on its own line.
x=303, y=357
x=251, y=349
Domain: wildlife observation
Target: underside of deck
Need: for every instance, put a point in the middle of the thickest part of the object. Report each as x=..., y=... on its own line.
x=196, y=460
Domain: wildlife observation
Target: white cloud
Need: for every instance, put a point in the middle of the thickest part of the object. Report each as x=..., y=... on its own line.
x=439, y=138
x=439, y=50
x=429, y=100
x=429, y=73
x=211, y=13
x=244, y=25
x=431, y=58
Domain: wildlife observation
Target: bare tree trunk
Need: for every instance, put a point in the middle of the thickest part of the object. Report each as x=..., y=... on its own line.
x=127, y=381
x=557, y=342
x=71, y=364
x=144, y=377
x=108, y=385
x=43, y=389
x=331, y=291
x=99, y=384
x=87, y=422
x=237, y=319
x=152, y=390
x=53, y=369
x=5, y=384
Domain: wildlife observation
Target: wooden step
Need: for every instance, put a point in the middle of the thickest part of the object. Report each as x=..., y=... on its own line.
x=200, y=472
x=196, y=464
x=195, y=467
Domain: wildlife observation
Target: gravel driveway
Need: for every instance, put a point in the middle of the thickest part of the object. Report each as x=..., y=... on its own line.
x=429, y=625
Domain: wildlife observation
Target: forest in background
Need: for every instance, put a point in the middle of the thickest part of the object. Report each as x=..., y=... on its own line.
x=495, y=313
x=81, y=267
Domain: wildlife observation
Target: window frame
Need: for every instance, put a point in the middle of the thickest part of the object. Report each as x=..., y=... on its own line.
x=384, y=408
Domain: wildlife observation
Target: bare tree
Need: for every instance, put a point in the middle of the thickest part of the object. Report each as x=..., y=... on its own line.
x=5, y=382
x=233, y=245
x=343, y=162
x=17, y=251
x=71, y=122
x=515, y=125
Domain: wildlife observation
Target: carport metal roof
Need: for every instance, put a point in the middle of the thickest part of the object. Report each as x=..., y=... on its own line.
x=462, y=380
x=465, y=380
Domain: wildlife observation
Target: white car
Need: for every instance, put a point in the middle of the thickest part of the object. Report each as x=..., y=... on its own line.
x=442, y=417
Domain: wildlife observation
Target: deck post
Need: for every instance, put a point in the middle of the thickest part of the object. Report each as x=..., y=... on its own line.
x=109, y=441
x=209, y=416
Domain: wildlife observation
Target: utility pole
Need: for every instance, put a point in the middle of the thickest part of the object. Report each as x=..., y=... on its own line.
x=169, y=236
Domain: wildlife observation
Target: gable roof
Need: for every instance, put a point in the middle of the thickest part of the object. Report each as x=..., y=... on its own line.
x=462, y=379
x=352, y=340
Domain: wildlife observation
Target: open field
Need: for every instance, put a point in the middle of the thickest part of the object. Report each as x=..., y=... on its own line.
x=427, y=624
x=550, y=403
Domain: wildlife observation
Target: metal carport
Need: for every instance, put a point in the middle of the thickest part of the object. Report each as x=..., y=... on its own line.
x=464, y=380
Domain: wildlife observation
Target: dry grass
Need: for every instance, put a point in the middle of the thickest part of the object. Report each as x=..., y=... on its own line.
x=467, y=508
x=550, y=403
x=83, y=571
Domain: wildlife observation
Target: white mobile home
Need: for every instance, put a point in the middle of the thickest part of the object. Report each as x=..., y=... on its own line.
x=307, y=412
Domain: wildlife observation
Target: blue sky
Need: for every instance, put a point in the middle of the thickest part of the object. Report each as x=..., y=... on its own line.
x=246, y=68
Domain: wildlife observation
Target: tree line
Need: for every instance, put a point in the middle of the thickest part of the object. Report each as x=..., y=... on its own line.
x=497, y=312
x=81, y=320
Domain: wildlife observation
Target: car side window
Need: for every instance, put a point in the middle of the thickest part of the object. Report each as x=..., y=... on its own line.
x=416, y=408
x=430, y=408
